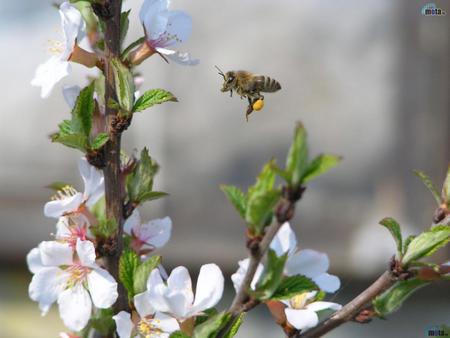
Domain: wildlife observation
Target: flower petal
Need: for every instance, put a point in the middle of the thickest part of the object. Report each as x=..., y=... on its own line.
x=49, y=73
x=209, y=288
x=94, y=186
x=142, y=303
x=34, y=260
x=59, y=207
x=156, y=290
x=149, y=13
x=70, y=94
x=86, y=253
x=328, y=283
x=71, y=22
x=75, y=307
x=301, y=319
x=284, y=241
x=165, y=323
x=46, y=285
x=239, y=275
x=124, y=325
x=62, y=227
x=156, y=232
x=182, y=58
x=55, y=253
x=178, y=30
x=180, y=281
x=133, y=222
x=319, y=306
x=103, y=288
x=307, y=262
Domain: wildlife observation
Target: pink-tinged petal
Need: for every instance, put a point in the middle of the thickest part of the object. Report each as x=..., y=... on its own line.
x=46, y=285
x=178, y=30
x=154, y=17
x=209, y=288
x=142, y=303
x=307, y=262
x=156, y=290
x=62, y=227
x=165, y=323
x=102, y=287
x=319, y=306
x=49, y=73
x=86, y=253
x=75, y=307
x=55, y=253
x=71, y=22
x=180, y=281
x=70, y=94
x=301, y=319
x=328, y=283
x=124, y=325
x=133, y=223
x=284, y=241
x=34, y=261
x=59, y=207
x=183, y=58
x=157, y=232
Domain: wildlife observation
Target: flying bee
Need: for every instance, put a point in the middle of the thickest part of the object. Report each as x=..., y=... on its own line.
x=249, y=85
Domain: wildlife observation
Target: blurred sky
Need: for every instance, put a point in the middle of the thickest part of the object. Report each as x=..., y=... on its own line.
x=369, y=79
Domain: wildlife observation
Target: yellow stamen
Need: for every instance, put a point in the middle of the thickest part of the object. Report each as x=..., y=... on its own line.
x=299, y=301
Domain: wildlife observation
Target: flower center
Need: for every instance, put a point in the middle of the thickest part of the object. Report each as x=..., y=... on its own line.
x=148, y=329
x=299, y=301
x=78, y=273
x=65, y=192
x=56, y=47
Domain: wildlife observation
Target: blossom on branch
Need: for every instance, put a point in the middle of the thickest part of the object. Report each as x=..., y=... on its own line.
x=72, y=279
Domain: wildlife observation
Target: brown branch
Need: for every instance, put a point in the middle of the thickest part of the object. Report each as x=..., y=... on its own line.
x=349, y=311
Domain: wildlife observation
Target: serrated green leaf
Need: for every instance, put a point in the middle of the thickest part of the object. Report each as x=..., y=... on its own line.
x=151, y=195
x=152, y=97
x=83, y=111
x=99, y=141
x=320, y=165
x=292, y=286
x=212, y=326
x=208, y=313
x=102, y=321
x=391, y=300
x=99, y=86
x=140, y=181
x=76, y=141
x=429, y=184
x=236, y=197
x=446, y=189
x=297, y=158
x=104, y=228
x=124, y=85
x=259, y=208
x=142, y=273
x=394, y=228
x=427, y=243
x=407, y=241
x=124, y=24
x=179, y=334
x=128, y=264
x=265, y=180
x=65, y=128
x=235, y=327
x=271, y=277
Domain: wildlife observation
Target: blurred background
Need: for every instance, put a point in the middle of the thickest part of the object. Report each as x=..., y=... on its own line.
x=370, y=81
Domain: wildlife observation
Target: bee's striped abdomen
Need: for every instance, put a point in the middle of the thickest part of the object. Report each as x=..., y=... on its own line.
x=270, y=85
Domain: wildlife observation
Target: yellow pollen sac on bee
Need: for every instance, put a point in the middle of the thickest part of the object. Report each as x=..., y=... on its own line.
x=258, y=105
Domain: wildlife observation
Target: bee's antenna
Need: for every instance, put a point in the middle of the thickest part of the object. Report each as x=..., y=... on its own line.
x=220, y=71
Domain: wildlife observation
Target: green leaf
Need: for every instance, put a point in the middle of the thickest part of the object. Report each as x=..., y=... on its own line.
x=124, y=24
x=236, y=197
x=394, y=228
x=76, y=141
x=99, y=86
x=99, y=141
x=104, y=228
x=391, y=300
x=265, y=180
x=297, y=158
x=178, y=334
x=320, y=165
x=292, y=286
x=259, y=209
x=124, y=85
x=235, y=327
x=83, y=111
x=206, y=314
x=152, y=97
x=430, y=185
x=151, y=195
x=142, y=273
x=212, y=326
x=65, y=128
x=102, y=321
x=427, y=243
x=128, y=264
x=140, y=181
x=99, y=210
x=446, y=189
x=131, y=46
x=271, y=277
x=407, y=241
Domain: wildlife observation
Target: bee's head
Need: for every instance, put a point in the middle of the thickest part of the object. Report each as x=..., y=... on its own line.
x=229, y=80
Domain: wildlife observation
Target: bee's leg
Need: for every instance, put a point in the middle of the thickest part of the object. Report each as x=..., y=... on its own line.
x=249, y=108
x=231, y=92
